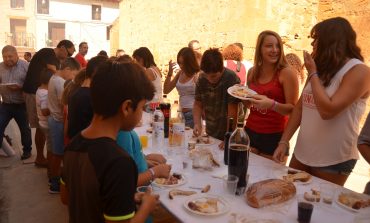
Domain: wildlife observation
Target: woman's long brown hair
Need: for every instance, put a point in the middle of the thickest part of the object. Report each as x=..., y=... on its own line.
x=258, y=61
x=335, y=43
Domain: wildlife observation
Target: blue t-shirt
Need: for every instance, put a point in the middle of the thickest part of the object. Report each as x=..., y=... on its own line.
x=130, y=142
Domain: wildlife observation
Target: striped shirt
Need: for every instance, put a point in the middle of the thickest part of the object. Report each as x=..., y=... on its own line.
x=16, y=75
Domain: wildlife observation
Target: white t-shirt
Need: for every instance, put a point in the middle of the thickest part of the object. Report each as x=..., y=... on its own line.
x=328, y=142
x=56, y=87
x=42, y=103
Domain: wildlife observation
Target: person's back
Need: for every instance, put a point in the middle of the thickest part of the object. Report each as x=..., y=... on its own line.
x=99, y=178
x=80, y=111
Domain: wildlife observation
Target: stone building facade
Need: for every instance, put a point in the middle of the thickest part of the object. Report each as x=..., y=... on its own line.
x=165, y=26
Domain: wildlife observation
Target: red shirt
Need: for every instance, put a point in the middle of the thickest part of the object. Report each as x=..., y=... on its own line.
x=266, y=120
x=242, y=73
x=81, y=60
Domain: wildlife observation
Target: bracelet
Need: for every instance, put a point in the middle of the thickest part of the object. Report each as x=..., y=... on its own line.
x=152, y=173
x=273, y=106
x=311, y=75
x=285, y=143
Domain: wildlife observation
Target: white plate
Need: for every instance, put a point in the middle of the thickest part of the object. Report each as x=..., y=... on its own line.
x=232, y=89
x=360, y=196
x=180, y=182
x=222, y=204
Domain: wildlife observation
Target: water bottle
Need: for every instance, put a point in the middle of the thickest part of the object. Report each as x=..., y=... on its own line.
x=177, y=131
x=239, y=152
x=158, y=128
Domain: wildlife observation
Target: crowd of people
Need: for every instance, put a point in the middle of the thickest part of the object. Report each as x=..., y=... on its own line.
x=86, y=110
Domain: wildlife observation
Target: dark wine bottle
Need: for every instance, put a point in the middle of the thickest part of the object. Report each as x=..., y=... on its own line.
x=239, y=152
x=226, y=141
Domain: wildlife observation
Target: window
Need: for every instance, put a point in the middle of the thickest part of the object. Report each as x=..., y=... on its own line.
x=56, y=34
x=96, y=12
x=43, y=6
x=16, y=4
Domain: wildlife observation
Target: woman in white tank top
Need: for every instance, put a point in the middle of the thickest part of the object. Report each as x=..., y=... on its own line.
x=184, y=81
x=145, y=58
x=332, y=103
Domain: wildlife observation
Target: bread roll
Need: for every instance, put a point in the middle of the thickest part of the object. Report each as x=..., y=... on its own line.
x=271, y=191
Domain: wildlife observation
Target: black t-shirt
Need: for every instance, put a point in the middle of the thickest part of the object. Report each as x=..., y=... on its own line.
x=37, y=65
x=101, y=180
x=80, y=111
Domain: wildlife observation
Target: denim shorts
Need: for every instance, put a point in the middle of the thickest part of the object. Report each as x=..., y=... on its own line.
x=189, y=122
x=344, y=168
x=57, y=136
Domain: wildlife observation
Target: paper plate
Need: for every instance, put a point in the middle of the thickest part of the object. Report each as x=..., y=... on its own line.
x=233, y=91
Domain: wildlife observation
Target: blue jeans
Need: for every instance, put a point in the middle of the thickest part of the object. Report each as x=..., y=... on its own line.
x=57, y=136
x=189, y=122
x=19, y=113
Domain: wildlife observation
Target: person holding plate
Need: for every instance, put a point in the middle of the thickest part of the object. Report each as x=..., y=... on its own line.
x=331, y=106
x=277, y=87
x=12, y=74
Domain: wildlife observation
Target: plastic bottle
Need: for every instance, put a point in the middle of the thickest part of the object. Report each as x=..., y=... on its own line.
x=177, y=131
x=158, y=128
x=165, y=106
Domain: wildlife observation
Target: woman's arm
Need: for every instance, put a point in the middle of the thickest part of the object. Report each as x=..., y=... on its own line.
x=169, y=84
x=355, y=84
x=292, y=126
x=289, y=80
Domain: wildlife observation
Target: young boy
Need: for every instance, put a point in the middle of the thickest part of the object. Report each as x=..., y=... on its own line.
x=69, y=69
x=43, y=112
x=98, y=178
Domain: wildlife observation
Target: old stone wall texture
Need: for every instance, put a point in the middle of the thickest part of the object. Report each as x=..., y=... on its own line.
x=357, y=12
x=165, y=26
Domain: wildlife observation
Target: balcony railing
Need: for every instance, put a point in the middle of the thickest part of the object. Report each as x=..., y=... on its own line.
x=20, y=39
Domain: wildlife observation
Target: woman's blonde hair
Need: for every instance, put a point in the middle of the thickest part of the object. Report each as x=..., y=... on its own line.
x=258, y=61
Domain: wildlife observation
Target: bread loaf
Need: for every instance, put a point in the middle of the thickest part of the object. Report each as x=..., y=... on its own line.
x=271, y=191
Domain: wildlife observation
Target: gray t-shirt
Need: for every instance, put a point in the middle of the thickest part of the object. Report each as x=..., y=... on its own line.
x=364, y=137
x=55, y=91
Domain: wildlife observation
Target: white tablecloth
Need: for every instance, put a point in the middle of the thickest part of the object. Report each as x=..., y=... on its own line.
x=259, y=169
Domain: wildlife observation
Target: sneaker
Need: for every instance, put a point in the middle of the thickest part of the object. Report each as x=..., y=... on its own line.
x=54, y=187
x=26, y=155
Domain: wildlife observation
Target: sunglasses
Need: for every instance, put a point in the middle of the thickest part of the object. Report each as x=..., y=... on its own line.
x=69, y=54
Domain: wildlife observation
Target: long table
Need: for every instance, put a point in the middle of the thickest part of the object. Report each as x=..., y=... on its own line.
x=259, y=169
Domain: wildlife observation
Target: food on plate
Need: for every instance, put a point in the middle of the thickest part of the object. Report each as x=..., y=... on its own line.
x=242, y=92
x=205, y=139
x=149, y=130
x=203, y=158
x=176, y=192
x=206, y=188
x=271, y=191
x=299, y=176
x=171, y=180
x=353, y=201
x=313, y=196
x=207, y=205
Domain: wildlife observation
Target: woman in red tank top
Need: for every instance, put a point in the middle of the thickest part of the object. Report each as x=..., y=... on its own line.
x=277, y=87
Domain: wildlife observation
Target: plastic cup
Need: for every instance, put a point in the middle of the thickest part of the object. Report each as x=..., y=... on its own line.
x=144, y=189
x=144, y=141
x=327, y=193
x=230, y=183
x=305, y=209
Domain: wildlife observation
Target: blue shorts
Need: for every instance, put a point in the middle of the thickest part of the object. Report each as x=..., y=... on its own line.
x=56, y=136
x=344, y=168
x=189, y=122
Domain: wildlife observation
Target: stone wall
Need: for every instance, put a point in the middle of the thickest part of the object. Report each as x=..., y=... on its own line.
x=357, y=12
x=165, y=26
